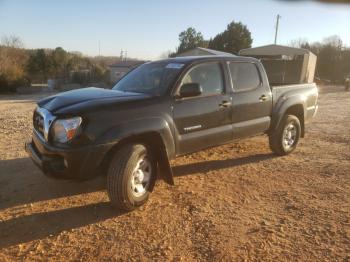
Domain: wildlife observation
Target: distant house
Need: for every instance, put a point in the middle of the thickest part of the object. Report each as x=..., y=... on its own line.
x=119, y=69
x=200, y=51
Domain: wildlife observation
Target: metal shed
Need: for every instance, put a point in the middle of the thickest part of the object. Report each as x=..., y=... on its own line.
x=284, y=64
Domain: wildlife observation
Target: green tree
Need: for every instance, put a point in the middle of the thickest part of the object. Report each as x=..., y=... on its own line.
x=97, y=73
x=40, y=64
x=59, y=59
x=233, y=39
x=190, y=39
x=333, y=60
x=330, y=57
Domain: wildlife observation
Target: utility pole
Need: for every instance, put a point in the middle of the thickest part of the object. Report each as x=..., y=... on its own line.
x=277, y=23
x=99, y=48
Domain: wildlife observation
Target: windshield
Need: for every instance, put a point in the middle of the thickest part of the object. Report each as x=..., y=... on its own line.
x=151, y=78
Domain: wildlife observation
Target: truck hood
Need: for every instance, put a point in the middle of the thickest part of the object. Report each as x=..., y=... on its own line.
x=86, y=96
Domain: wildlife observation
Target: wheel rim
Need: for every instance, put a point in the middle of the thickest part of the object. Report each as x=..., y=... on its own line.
x=141, y=177
x=289, y=136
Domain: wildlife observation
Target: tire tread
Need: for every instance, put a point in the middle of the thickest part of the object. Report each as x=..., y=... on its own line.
x=275, y=138
x=121, y=165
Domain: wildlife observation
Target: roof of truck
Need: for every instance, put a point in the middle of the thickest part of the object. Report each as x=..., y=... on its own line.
x=201, y=51
x=191, y=59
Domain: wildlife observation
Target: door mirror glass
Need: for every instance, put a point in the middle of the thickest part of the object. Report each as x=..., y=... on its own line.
x=190, y=90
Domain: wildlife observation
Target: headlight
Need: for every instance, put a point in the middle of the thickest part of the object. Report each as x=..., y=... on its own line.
x=64, y=130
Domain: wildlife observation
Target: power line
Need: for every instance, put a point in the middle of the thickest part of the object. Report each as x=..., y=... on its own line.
x=123, y=55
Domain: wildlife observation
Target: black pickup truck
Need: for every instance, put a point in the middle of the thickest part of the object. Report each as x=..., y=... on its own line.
x=161, y=110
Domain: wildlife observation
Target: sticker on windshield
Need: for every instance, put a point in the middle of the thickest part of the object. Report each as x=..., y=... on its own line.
x=174, y=66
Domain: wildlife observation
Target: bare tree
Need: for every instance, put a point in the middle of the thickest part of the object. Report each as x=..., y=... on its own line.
x=334, y=41
x=298, y=43
x=12, y=41
x=13, y=59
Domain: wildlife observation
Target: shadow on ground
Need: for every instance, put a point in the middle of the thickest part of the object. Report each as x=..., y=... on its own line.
x=204, y=167
x=22, y=183
x=40, y=225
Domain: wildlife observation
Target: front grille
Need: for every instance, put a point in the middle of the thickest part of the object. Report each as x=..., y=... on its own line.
x=38, y=123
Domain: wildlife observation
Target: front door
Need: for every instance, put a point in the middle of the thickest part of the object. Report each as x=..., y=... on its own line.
x=204, y=120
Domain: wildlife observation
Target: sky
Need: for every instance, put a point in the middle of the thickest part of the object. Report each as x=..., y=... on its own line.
x=148, y=29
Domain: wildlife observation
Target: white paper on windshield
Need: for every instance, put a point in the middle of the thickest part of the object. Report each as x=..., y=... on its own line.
x=174, y=66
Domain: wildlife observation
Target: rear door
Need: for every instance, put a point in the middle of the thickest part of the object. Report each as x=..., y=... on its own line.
x=251, y=99
x=204, y=120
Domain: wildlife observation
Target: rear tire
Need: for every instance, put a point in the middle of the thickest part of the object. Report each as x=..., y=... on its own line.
x=285, y=138
x=129, y=176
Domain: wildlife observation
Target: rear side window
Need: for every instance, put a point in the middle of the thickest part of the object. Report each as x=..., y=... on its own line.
x=244, y=76
x=208, y=75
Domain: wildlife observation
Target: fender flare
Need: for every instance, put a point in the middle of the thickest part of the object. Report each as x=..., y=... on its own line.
x=282, y=106
x=152, y=128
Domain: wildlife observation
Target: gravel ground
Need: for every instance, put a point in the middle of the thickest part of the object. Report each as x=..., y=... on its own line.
x=236, y=202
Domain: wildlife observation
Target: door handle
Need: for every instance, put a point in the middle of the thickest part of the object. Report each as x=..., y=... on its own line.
x=263, y=98
x=225, y=104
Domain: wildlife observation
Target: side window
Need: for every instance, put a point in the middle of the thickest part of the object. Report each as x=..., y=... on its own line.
x=208, y=75
x=244, y=76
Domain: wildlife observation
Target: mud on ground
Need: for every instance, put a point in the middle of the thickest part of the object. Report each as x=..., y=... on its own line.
x=231, y=203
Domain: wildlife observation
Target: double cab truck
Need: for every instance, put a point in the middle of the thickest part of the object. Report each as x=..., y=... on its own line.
x=159, y=111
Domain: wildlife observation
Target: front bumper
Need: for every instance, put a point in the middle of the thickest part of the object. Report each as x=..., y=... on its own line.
x=80, y=164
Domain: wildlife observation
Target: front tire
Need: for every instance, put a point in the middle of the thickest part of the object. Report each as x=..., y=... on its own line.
x=129, y=177
x=285, y=138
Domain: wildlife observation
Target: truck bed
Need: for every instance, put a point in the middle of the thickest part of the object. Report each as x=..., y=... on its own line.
x=303, y=90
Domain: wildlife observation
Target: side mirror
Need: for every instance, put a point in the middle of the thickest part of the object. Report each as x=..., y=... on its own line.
x=190, y=90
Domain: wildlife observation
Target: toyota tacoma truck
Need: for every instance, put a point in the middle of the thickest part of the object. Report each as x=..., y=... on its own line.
x=161, y=110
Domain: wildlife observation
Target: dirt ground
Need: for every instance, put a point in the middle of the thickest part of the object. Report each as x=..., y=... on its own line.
x=236, y=202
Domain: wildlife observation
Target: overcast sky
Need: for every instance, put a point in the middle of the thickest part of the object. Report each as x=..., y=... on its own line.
x=146, y=29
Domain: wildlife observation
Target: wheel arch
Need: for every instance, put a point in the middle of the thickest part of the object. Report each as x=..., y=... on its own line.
x=296, y=107
x=153, y=141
